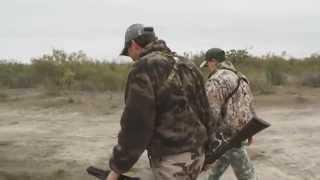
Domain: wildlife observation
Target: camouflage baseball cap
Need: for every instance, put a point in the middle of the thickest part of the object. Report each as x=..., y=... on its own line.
x=134, y=31
x=216, y=53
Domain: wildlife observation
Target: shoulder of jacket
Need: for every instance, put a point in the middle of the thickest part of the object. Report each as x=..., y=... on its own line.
x=154, y=56
x=150, y=59
x=223, y=75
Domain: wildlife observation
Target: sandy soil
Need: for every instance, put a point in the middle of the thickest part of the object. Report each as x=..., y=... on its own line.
x=43, y=137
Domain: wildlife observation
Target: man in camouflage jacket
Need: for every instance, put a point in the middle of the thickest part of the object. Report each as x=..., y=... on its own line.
x=230, y=99
x=166, y=111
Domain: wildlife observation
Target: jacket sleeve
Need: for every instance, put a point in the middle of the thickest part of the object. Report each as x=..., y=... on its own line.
x=216, y=96
x=218, y=89
x=137, y=121
x=252, y=109
x=208, y=119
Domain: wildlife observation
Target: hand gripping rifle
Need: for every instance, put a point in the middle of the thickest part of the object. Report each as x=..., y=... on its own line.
x=254, y=126
x=103, y=174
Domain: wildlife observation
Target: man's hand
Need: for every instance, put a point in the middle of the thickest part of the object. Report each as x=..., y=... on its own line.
x=113, y=176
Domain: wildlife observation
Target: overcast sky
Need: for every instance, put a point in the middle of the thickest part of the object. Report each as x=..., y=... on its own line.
x=30, y=28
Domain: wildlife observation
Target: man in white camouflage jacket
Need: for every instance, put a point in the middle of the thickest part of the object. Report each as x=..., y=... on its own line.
x=230, y=99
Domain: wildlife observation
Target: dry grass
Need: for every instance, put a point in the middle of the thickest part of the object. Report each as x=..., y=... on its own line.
x=65, y=101
x=3, y=97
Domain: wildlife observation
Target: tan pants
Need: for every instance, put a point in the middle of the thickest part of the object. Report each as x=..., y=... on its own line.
x=184, y=166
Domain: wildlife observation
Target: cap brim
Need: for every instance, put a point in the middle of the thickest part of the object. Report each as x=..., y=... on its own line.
x=203, y=64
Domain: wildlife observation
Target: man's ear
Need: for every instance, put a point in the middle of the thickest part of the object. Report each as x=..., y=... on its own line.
x=135, y=45
x=214, y=61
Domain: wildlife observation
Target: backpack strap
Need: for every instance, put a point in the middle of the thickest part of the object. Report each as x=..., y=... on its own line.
x=174, y=70
x=224, y=106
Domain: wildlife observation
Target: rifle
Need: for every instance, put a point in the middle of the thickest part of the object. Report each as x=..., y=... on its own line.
x=103, y=174
x=254, y=126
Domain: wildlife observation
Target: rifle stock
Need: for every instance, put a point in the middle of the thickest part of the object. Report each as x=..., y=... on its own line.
x=254, y=126
x=103, y=174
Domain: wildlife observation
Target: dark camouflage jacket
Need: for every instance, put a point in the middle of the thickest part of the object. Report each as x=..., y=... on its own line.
x=166, y=108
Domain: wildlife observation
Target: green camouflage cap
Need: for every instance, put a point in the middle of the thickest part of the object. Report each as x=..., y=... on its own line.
x=216, y=53
x=134, y=31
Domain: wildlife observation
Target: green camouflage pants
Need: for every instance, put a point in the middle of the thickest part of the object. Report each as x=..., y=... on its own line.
x=184, y=166
x=240, y=162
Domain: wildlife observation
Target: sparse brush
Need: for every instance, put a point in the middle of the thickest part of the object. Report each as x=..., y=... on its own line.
x=60, y=71
x=311, y=79
x=261, y=86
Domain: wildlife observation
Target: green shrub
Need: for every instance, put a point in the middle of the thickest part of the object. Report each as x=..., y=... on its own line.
x=311, y=79
x=261, y=86
x=15, y=75
x=275, y=76
x=78, y=72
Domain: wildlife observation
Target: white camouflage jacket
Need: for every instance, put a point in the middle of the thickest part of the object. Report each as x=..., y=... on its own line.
x=239, y=107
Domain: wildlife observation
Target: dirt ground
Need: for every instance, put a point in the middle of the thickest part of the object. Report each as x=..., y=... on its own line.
x=58, y=137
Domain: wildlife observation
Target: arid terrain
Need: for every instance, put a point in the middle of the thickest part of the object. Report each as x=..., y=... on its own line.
x=57, y=137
